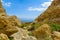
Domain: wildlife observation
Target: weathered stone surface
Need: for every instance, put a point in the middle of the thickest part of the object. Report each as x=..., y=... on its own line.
x=56, y=35
x=2, y=10
x=22, y=35
x=6, y=26
x=53, y=12
x=3, y=37
x=43, y=32
x=15, y=21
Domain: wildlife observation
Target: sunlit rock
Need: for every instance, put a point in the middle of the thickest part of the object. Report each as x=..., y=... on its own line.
x=22, y=35
x=56, y=35
x=51, y=13
x=3, y=37
x=43, y=32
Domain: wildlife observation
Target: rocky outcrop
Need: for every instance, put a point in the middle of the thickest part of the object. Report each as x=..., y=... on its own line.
x=22, y=35
x=52, y=13
x=43, y=32
x=15, y=21
x=3, y=37
x=6, y=26
x=9, y=25
x=2, y=10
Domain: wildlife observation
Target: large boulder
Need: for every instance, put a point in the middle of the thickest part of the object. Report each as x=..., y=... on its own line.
x=56, y=35
x=43, y=32
x=14, y=20
x=3, y=37
x=6, y=26
x=22, y=35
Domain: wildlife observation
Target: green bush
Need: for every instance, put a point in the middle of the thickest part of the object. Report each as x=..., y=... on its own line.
x=30, y=33
x=35, y=25
x=24, y=25
x=10, y=38
x=55, y=27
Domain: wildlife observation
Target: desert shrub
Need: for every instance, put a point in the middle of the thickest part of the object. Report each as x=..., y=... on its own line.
x=55, y=27
x=35, y=25
x=24, y=25
x=11, y=38
x=31, y=26
x=30, y=33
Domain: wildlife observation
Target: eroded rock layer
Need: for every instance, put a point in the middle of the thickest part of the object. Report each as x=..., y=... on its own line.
x=51, y=14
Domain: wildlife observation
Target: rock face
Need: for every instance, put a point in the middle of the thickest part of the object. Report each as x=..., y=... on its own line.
x=2, y=10
x=52, y=13
x=9, y=25
x=43, y=32
x=6, y=26
x=22, y=35
x=15, y=20
x=56, y=35
x=3, y=37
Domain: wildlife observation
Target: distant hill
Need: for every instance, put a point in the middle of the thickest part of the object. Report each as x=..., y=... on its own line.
x=26, y=20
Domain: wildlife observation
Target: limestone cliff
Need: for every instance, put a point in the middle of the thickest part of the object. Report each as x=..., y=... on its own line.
x=51, y=14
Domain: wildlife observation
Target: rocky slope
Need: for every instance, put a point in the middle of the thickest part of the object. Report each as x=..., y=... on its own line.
x=44, y=21
x=44, y=32
x=2, y=10
x=52, y=13
x=22, y=35
x=10, y=25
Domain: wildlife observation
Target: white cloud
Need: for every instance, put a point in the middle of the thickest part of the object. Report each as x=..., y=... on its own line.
x=8, y=4
x=36, y=9
x=45, y=4
x=2, y=1
x=51, y=0
x=42, y=7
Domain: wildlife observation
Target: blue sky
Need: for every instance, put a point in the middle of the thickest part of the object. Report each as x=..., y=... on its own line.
x=29, y=9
